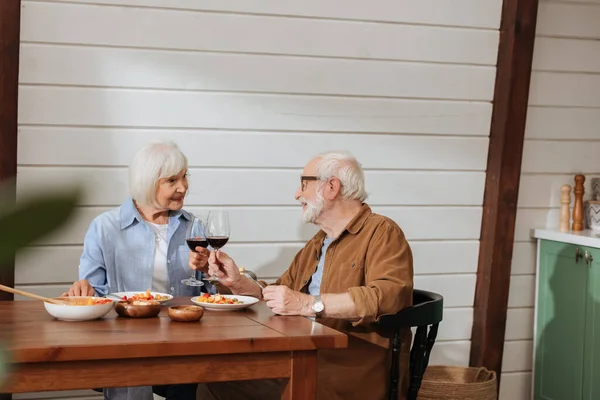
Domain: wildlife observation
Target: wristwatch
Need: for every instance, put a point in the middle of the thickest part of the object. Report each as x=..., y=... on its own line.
x=318, y=306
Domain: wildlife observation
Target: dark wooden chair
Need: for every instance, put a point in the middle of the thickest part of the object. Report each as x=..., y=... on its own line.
x=425, y=314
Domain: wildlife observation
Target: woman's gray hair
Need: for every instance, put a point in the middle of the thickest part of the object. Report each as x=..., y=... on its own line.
x=153, y=162
x=343, y=165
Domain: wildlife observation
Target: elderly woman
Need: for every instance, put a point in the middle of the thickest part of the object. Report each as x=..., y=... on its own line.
x=141, y=245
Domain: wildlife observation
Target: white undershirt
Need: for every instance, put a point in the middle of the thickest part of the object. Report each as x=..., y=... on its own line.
x=160, y=277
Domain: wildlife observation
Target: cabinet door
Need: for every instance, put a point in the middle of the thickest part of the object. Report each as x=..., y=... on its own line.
x=591, y=366
x=560, y=322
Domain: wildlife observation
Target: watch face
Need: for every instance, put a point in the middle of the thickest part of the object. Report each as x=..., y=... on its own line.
x=318, y=306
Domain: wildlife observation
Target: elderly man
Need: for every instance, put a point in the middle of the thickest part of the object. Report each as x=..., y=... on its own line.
x=357, y=268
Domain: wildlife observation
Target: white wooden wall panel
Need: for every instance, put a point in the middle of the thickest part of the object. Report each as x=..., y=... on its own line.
x=524, y=256
x=513, y=359
x=73, y=146
x=566, y=55
x=565, y=1
x=451, y=353
x=469, y=13
x=457, y=326
x=543, y=190
x=564, y=89
x=212, y=186
x=519, y=324
x=562, y=139
x=551, y=156
x=136, y=27
x=529, y=218
x=556, y=123
x=515, y=386
x=251, y=91
x=577, y=20
x=124, y=67
x=161, y=109
x=522, y=291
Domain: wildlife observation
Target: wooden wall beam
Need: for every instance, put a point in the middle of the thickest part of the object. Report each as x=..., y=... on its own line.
x=10, y=22
x=507, y=133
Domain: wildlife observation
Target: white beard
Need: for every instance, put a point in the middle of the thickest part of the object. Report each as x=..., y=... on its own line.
x=314, y=209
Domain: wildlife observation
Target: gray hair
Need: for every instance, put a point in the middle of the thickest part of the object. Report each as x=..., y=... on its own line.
x=343, y=165
x=153, y=162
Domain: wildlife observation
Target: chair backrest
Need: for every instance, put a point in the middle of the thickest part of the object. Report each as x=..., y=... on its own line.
x=427, y=309
x=426, y=312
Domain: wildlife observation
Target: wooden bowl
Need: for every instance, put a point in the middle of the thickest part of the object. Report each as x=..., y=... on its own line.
x=186, y=313
x=138, y=308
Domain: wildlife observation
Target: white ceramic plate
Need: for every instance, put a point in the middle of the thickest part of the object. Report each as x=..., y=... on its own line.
x=246, y=301
x=78, y=313
x=165, y=297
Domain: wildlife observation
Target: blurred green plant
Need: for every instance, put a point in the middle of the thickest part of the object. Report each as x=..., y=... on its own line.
x=25, y=222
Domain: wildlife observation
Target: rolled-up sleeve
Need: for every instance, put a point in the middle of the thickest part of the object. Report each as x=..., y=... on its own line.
x=388, y=276
x=92, y=265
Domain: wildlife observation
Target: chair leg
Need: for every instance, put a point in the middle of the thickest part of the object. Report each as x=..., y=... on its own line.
x=433, y=330
x=417, y=358
x=395, y=368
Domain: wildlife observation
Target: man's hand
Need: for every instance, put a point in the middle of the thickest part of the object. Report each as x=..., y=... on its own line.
x=80, y=288
x=284, y=301
x=223, y=267
x=199, y=259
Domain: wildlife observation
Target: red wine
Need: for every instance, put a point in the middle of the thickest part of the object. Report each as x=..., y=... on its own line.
x=193, y=243
x=216, y=242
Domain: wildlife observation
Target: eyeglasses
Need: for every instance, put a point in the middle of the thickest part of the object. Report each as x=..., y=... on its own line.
x=305, y=178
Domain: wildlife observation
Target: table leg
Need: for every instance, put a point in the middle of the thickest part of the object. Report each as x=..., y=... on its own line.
x=303, y=378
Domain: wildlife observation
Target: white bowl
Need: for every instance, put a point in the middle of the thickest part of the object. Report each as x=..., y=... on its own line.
x=67, y=312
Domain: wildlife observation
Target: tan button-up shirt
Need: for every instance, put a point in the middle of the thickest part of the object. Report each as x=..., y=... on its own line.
x=372, y=261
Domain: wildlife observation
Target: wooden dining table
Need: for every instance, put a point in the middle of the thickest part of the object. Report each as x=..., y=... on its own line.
x=47, y=354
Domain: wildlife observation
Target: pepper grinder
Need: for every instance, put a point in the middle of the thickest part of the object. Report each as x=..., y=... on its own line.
x=565, y=200
x=578, y=205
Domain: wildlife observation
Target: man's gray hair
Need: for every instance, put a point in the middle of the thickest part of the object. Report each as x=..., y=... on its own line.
x=345, y=167
x=153, y=162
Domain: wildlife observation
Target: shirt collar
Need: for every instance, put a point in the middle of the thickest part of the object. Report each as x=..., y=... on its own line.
x=353, y=227
x=129, y=214
x=356, y=224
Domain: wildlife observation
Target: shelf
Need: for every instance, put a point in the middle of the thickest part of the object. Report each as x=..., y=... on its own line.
x=583, y=238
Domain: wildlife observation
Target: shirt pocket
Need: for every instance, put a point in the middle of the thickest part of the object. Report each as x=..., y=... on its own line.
x=348, y=274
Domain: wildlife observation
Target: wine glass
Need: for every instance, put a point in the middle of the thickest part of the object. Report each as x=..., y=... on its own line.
x=217, y=232
x=195, y=237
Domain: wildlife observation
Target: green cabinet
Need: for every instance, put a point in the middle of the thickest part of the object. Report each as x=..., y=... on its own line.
x=591, y=358
x=567, y=329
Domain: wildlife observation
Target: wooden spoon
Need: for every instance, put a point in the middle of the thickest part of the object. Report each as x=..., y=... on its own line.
x=31, y=295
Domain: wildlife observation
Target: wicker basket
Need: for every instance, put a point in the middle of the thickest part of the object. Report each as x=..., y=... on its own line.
x=458, y=383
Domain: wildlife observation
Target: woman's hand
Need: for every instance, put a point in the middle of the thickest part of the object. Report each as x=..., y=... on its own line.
x=80, y=288
x=199, y=259
x=223, y=267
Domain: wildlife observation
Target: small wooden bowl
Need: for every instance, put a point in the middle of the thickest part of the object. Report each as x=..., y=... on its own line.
x=138, y=308
x=186, y=313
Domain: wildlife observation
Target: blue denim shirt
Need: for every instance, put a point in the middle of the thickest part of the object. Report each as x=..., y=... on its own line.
x=118, y=253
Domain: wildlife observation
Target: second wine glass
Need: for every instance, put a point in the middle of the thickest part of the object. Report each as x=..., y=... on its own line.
x=217, y=231
x=196, y=237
